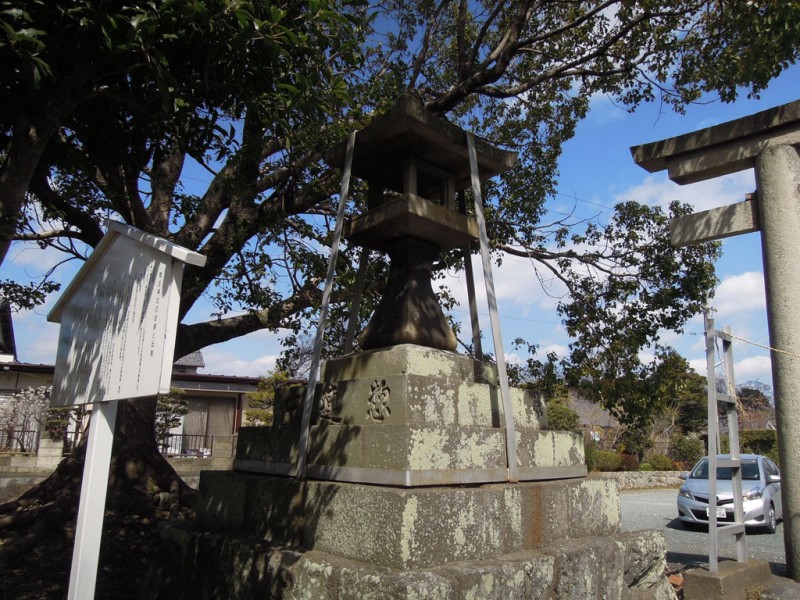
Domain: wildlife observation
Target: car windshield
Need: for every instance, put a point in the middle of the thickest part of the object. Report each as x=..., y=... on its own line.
x=749, y=470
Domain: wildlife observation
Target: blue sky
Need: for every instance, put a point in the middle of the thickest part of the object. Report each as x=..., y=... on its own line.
x=597, y=171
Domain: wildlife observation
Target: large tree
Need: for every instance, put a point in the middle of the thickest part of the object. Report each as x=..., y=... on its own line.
x=254, y=91
x=103, y=104
x=105, y=107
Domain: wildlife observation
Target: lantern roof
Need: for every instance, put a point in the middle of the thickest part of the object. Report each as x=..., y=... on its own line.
x=408, y=130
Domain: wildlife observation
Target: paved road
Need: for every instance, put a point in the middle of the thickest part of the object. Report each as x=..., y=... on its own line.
x=651, y=509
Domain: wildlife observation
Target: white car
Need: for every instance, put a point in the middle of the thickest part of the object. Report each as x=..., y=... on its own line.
x=761, y=491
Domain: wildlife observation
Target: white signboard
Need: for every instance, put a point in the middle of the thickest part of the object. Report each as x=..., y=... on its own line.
x=118, y=319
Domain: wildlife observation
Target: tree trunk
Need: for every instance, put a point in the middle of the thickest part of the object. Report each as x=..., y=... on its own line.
x=29, y=141
x=142, y=484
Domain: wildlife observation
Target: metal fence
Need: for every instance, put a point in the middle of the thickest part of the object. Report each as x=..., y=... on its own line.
x=171, y=445
x=71, y=439
x=187, y=446
x=19, y=442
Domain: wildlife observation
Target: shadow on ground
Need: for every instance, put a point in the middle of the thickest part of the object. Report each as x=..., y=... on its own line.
x=693, y=561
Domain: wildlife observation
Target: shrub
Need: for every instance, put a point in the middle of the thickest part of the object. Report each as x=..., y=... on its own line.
x=686, y=450
x=660, y=462
x=629, y=462
x=590, y=452
x=773, y=456
x=260, y=404
x=758, y=441
x=170, y=410
x=755, y=441
x=645, y=467
x=605, y=460
x=636, y=442
x=562, y=418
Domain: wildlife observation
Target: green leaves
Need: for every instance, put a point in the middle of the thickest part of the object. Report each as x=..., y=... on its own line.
x=622, y=299
x=739, y=45
x=26, y=297
x=254, y=91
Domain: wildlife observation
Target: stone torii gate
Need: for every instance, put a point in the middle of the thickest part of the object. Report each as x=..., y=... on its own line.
x=768, y=141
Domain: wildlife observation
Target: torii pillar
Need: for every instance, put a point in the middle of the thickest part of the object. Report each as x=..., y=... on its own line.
x=768, y=141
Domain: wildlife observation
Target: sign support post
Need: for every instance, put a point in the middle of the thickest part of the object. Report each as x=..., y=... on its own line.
x=89, y=530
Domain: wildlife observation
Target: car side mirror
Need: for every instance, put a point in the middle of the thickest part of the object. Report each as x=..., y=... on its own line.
x=684, y=475
x=774, y=478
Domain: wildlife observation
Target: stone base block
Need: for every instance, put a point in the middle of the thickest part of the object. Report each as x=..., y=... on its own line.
x=204, y=566
x=410, y=385
x=410, y=416
x=407, y=528
x=410, y=455
x=731, y=581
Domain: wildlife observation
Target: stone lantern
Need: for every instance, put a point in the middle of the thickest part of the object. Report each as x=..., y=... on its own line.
x=414, y=163
x=408, y=488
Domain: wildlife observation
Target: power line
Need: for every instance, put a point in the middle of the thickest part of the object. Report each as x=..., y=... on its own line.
x=512, y=318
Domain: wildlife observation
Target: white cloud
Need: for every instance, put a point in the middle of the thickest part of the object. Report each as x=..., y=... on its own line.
x=658, y=190
x=252, y=355
x=747, y=369
x=752, y=368
x=224, y=362
x=561, y=350
x=646, y=356
x=37, y=340
x=515, y=359
x=34, y=261
x=603, y=110
x=517, y=288
x=740, y=293
x=525, y=309
x=699, y=365
x=671, y=338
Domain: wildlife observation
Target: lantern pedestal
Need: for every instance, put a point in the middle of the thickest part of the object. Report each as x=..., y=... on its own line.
x=410, y=416
x=409, y=312
x=406, y=499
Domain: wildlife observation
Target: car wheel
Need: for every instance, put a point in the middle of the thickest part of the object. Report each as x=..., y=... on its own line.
x=771, y=523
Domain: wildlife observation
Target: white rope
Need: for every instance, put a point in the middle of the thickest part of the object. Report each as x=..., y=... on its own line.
x=770, y=348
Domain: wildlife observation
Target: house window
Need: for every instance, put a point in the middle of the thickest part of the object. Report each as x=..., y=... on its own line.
x=209, y=416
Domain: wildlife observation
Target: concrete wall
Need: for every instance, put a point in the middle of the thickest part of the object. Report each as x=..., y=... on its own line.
x=630, y=480
x=19, y=472
x=44, y=462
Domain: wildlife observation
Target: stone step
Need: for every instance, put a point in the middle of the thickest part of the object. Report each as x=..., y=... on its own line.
x=407, y=527
x=205, y=566
x=410, y=455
